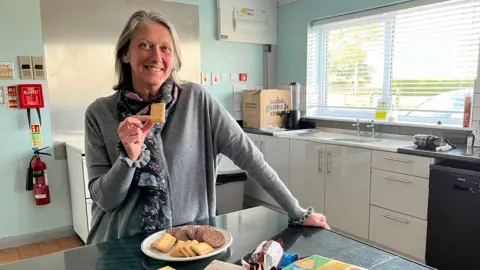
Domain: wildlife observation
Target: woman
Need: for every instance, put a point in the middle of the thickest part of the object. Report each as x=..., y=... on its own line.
x=147, y=176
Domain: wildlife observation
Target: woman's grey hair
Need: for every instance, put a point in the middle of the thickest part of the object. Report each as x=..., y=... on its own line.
x=122, y=69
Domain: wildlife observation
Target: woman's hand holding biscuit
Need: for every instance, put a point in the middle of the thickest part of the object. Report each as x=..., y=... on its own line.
x=132, y=132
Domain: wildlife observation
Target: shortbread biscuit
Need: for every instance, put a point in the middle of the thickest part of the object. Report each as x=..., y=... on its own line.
x=157, y=113
x=165, y=243
x=202, y=248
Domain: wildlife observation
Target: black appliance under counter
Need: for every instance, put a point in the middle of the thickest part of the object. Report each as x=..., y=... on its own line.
x=453, y=230
x=460, y=154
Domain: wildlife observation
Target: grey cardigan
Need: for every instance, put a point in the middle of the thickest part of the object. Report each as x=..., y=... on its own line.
x=199, y=129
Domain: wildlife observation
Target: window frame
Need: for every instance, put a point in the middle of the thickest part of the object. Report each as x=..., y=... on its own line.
x=384, y=15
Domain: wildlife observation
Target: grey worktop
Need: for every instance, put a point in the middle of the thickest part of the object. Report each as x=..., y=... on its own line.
x=460, y=154
x=257, y=131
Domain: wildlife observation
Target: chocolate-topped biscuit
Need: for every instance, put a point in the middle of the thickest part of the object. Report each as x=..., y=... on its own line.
x=200, y=231
x=181, y=234
x=172, y=230
x=192, y=231
x=214, y=238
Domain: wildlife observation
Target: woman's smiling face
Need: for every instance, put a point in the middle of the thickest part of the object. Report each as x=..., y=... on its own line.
x=151, y=56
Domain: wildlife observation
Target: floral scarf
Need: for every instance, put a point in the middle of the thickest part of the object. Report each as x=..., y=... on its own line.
x=153, y=178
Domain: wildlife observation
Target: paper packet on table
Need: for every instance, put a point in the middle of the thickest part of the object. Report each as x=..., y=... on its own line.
x=267, y=256
x=219, y=265
x=316, y=262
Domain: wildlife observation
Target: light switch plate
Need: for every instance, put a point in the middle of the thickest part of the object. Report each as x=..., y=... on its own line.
x=26, y=70
x=38, y=68
x=2, y=94
x=234, y=77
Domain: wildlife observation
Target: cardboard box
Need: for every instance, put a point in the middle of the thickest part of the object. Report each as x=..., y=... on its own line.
x=261, y=108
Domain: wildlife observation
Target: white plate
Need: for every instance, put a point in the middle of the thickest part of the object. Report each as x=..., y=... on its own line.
x=157, y=254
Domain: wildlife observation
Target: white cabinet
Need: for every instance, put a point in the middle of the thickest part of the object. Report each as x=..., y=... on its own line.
x=335, y=180
x=377, y=195
x=276, y=153
x=347, y=189
x=79, y=195
x=307, y=178
x=399, y=202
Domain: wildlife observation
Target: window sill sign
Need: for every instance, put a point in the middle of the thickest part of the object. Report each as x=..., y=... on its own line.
x=382, y=108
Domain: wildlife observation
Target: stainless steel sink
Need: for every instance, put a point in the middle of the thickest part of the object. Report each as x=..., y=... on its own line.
x=356, y=140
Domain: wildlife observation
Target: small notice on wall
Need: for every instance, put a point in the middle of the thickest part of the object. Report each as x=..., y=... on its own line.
x=36, y=136
x=6, y=71
x=12, y=96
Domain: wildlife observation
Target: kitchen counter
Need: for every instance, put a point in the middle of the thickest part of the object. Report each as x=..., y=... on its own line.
x=346, y=139
x=77, y=145
x=257, y=131
x=459, y=154
x=248, y=230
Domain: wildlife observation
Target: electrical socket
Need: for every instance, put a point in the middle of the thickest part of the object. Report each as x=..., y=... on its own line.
x=38, y=68
x=26, y=71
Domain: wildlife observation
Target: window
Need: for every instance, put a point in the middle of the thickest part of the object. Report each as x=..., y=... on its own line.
x=423, y=60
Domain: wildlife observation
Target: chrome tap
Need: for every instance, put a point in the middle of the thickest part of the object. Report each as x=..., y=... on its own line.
x=372, y=126
x=358, y=126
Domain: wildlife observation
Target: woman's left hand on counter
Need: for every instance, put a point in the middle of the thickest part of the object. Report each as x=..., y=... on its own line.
x=316, y=220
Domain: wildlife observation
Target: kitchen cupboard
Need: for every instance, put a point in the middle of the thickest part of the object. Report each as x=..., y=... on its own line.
x=307, y=165
x=377, y=195
x=335, y=180
x=276, y=153
x=347, y=189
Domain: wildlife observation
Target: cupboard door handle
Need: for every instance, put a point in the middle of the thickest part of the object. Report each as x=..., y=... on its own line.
x=396, y=219
x=398, y=160
x=320, y=160
x=396, y=179
x=328, y=162
x=261, y=146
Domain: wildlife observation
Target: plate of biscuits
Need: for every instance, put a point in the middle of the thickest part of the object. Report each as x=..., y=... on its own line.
x=186, y=243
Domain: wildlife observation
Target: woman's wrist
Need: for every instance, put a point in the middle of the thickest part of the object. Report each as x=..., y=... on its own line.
x=140, y=162
x=301, y=219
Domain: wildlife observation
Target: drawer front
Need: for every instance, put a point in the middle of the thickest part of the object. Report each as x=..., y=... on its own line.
x=400, y=232
x=399, y=192
x=401, y=163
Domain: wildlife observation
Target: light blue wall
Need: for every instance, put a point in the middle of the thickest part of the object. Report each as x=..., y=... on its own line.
x=21, y=34
x=20, y=31
x=228, y=57
x=293, y=21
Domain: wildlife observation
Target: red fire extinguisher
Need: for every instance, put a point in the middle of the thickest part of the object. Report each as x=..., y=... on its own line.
x=37, y=178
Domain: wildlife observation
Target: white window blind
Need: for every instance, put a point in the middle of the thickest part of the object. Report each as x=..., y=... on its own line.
x=423, y=60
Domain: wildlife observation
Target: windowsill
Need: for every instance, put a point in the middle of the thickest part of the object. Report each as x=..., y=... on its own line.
x=398, y=123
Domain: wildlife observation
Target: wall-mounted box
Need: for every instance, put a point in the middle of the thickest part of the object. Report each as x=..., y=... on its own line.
x=249, y=21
